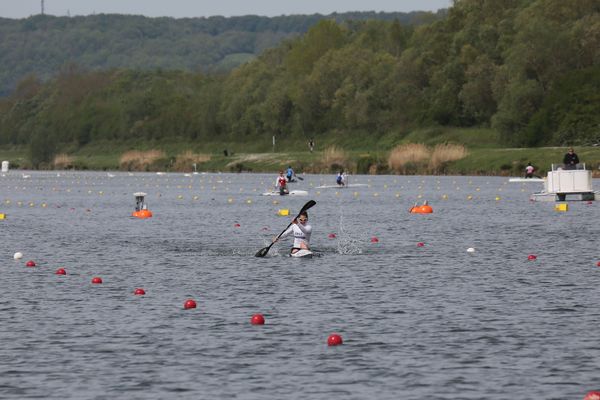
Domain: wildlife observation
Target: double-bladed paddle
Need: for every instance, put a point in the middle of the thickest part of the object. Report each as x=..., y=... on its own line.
x=263, y=252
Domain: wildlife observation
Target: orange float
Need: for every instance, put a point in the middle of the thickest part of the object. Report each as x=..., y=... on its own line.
x=141, y=208
x=424, y=209
x=142, y=214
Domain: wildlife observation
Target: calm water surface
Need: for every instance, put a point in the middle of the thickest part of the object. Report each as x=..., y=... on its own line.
x=417, y=322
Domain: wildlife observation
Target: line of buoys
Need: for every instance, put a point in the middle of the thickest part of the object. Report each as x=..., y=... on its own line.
x=257, y=319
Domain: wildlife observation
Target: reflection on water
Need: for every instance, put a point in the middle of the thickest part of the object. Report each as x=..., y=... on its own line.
x=418, y=322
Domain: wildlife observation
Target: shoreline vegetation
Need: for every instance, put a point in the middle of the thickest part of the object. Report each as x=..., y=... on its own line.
x=403, y=159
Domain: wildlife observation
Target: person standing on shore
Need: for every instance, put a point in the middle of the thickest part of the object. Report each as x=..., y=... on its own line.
x=571, y=160
x=311, y=145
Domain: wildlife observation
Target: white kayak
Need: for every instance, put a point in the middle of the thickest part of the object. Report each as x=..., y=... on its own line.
x=291, y=193
x=341, y=187
x=302, y=253
x=518, y=180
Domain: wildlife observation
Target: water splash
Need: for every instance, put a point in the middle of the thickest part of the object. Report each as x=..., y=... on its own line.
x=348, y=242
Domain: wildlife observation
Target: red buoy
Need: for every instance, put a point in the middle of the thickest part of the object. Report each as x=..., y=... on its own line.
x=139, y=292
x=189, y=304
x=532, y=257
x=237, y=225
x=334, y=340
x=420, y=244
x=593, y=395
x=96, y=280
x=374, y=239
x=598, y=264
x=257, y=319
x=30, y=263
x=61, y=271
x=332, y=236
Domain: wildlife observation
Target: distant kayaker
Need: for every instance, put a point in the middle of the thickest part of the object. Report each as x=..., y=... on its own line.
x=301, y=231
x=341, y=178
x=529, y=170
x=281, y=184
x=290, y=174
x=571, y=160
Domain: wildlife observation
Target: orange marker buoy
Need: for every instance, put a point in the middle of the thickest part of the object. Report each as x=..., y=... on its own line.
x=30, y=263
x=189, y=304
x=139, y=292
x=142, y=214
x=334, y=340
x=96, y=280
x=423, y=209
x=257, y=319
x=61, y=271
x=532, y=257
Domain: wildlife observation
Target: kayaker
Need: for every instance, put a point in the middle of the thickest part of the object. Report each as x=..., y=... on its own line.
x=529, y=170
x=290, y=174
x=341, y=178
x=571, y=160
x=301, y=231
x=281, y=184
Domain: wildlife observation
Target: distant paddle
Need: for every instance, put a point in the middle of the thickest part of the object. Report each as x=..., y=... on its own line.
x=263, y=252
x=299, y=177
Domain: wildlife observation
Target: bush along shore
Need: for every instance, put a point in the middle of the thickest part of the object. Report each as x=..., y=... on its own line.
x=403, y=159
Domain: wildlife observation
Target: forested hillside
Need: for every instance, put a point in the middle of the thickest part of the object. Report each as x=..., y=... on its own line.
x=42, y=44
x=529, y=69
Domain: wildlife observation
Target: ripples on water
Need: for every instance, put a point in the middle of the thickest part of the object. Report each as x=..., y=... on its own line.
x=430, y=322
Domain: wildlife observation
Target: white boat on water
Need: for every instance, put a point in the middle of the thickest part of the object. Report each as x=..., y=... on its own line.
x=350, y=185
x=526, y=180
x=302, y=253
x=566, y=184
x=291, y=193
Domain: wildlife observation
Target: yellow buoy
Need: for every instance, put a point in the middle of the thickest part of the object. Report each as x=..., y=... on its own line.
x=283, y=212
x=2, y=216
x=561, y=207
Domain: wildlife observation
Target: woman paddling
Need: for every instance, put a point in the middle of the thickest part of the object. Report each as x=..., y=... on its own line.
x=301, y=231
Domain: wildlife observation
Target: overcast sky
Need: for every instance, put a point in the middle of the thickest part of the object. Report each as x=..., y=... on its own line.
x=206, y=8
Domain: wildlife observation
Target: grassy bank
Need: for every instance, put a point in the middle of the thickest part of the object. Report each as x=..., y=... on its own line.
x=426, y=151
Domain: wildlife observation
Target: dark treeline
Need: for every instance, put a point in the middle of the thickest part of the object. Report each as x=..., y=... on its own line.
x=528, y=68
x=42, y=44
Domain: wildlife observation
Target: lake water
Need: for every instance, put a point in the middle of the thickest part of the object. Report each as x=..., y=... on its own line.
x=417, y=322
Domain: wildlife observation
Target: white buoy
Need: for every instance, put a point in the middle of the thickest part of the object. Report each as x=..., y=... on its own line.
x=4, y=166
x=470, y=250
x=18, y=255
